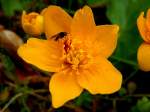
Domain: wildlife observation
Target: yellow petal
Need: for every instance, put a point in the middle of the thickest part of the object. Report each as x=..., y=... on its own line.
x=83, y=24
x=106, y=39
x=141, y=23
x=148, y=19
x=44, y=54
x=100, y=78
x=143, y=57
x=56, y=20
x=63, y=87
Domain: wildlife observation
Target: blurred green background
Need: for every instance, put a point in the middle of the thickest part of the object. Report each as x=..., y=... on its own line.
x=23, y=86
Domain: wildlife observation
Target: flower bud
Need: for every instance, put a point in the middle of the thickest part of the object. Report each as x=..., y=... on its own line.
x=143, y=24
x=143, y=54
x=32, y=23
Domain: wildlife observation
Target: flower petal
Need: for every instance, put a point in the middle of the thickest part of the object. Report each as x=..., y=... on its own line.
x=83, y=24
x=63, y=87
x=141, y=23
x=44, y=54
x=106, y=39
x=100, y=78
x=56, y=20
x=148, y=19
x=143, y=57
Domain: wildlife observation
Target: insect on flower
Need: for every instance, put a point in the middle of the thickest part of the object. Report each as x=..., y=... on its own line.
x=59, y=36
x=79, y=58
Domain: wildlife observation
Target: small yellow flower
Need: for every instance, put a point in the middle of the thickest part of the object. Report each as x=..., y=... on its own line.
x=79, y=60
x=143, y=54
x=32, y=23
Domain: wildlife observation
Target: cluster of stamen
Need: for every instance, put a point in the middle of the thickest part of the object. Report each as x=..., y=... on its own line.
x=75, y=57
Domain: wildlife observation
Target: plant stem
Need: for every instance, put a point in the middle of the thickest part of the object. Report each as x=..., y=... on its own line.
x=124, y=61
x=33, y=93
x=130, y=76
x=11, y=101
x=114, y=105
x=38, y=96
x=41, y=91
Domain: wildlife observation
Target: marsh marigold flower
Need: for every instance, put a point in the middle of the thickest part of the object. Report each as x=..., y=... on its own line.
x=143, y=54
x=79, y=59
x=32, y=23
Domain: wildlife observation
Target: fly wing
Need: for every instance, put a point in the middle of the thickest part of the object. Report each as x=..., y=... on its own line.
x=59, y=36
x=55, y=37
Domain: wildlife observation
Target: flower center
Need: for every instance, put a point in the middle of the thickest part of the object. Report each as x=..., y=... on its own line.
x=75, y=56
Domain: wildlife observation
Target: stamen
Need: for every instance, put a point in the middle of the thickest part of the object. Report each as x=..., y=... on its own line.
x=75, y=57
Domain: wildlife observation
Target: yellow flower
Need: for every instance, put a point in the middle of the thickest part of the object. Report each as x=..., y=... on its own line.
x=143, y=54
x=32, y=23
x=79, y=60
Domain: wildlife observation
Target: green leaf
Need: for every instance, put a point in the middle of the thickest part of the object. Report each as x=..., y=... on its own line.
x=122, y=91
x=9, y=67
x=96, y=3
x=7, y=63
x=10, y=6
x=54, y=1
x=84, y=98
x=4, y=94
x=143, y=105
x=125, y=13
x=81, y=2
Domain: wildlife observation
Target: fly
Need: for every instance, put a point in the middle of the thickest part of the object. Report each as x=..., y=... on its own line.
x=59, y=36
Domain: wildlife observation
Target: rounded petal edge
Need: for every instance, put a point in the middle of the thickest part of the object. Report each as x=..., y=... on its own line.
x=56, y=20
x=143, y=57
x=106, y=38
x=101, y=78
x=141, y=23
x=83, y=24
x=63, y=87
x=44, y=54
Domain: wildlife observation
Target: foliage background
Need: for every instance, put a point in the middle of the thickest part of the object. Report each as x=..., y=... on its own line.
x=23, y=86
